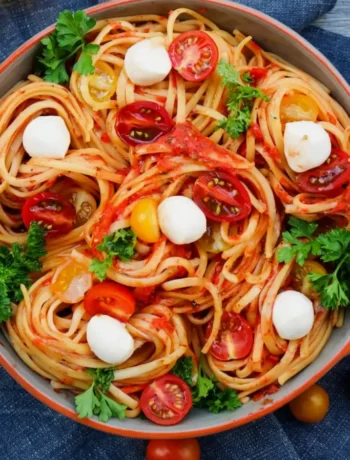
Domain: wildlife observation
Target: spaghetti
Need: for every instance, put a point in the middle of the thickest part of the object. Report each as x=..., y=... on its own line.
x=181, y=289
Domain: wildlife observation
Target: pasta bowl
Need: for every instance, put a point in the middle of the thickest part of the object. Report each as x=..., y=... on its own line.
x=278, y=39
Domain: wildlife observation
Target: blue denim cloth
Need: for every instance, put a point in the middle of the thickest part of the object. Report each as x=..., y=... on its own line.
x=31, y=431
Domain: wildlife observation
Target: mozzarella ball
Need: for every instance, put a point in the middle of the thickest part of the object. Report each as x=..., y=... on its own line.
x=109, y=339
x=181, y=220
x=306, y=145
x=147, y=62
x=293, y=315
x=46, y=137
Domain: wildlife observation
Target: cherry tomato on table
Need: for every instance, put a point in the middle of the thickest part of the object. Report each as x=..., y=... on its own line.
x=311, y=406
x=109, y=298
x=55, y=213
x=142, y=122
x=166, y=400
x=234, y=339
x=181, y=449
x=327, y=178
x=222, y=197
x=194, y=55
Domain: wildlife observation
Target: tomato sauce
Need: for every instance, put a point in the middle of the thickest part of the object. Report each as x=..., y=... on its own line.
x=270, y=390
x=256, y=131
x=162, y=323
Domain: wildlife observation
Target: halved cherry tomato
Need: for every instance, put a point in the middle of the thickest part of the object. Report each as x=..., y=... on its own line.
x=103, y=82
x=194, y=55
x=166, y=400
x=298, y=107
x=311, y=406
x=301, y=277
x=174, y=449
x=327, y=178
x=142, y=122
x=221, y=197
x=109, y=298
x=234, y=339
x=55, y=213
x=212, y=240
x=144, y=220
x=71, y=281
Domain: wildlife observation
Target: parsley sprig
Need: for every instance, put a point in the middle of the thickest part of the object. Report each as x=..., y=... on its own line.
x=16, y=264
x=117, y=244
x=239, y=102
x=206, y=394
x=94, y=401
x=333, y=248
x=68, y=38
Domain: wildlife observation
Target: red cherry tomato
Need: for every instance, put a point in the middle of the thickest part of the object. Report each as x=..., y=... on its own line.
x=235, y=337
x=167, y=400
x=328, y=177
x=194, y=55
x=221, y=197
x=55, y=213
x=142, y=122
x=109, y=298
x=180, y=449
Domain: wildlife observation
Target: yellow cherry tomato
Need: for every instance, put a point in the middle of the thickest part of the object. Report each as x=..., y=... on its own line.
x=298, y=107
x=144, y=220
x=311, y=406
x=71, y=281
x=84, y=203
x=103, y=82
x=212, y=241
x=301, y=280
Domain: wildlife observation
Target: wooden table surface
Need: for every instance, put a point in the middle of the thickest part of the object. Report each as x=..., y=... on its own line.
x=338, y=20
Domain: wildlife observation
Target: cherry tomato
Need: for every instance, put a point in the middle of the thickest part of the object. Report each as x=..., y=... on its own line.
x=327, y=178
x=166, y=400
x=311, y=406
x=298, y=107
x=180, y=449
x=109, y=298
x=221, y=197
x=103, y=82
x=301, y=280
x=142, y=122
x=212, y=240
x=235, y=337
x=71, y=281
x=144, y=220
x=55, y=213
x=84, y=203
x=194, y=55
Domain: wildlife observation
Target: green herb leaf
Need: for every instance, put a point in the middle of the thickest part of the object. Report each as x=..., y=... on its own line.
x=183, y=369
x=94, y=401
x=119, y=244
x=16, y=264
x=240, y=98
x=247, y=78
x=68, y=38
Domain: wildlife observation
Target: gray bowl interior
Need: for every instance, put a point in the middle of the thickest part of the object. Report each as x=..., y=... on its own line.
x=272, y=39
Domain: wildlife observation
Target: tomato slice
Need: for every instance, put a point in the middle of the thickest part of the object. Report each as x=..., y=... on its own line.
x=194, y=55
x=235, y=337
x=221, y=197
x=142, y=122
x=55, y=213
x=326, y=178
x=111, y=299
x=167, y=400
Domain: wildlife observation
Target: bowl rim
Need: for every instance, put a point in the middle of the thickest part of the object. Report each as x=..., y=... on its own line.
x=256, y=414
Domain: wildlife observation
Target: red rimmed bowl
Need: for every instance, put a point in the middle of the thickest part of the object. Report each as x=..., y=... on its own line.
x=275, y=37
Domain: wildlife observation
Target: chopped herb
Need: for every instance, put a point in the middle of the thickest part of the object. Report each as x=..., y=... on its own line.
x=239, y=102
x=68, y=38
x=94, y=401
x=16, y=264
x=333, y=248
x=117, y=244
